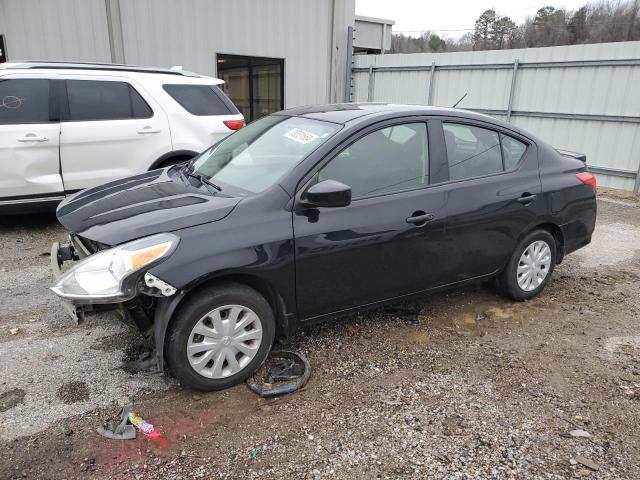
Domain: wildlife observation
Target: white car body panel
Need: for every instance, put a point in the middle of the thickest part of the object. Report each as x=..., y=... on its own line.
x=29, y=160
x=94, y=152
x=84, y=154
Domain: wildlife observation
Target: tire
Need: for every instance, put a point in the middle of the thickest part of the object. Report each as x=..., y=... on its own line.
x=508, y=280
x=214, y=313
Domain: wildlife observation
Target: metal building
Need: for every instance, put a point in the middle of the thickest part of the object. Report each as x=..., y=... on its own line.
x=272, y=54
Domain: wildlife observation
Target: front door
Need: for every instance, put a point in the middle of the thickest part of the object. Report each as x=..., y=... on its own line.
x=29, y=140
x=254, y=84
x=388, y=242
x=109, y=131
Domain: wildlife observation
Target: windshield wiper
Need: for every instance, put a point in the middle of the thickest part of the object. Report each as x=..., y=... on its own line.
x=202, y=179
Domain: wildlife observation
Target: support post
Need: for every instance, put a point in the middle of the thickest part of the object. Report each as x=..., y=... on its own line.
x=430, y=87
x=371, y=84
x=114, y=28
x=513, y=88
x=348, y=72
x=636, y=186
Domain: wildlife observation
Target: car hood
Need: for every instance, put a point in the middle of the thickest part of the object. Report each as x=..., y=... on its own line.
x=138, y=206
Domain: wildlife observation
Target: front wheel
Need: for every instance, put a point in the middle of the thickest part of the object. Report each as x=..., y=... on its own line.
x=219, y=337
x=530, y=266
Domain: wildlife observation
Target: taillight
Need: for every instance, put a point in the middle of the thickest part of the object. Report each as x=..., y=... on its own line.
x=234, y=124
x=588, y=179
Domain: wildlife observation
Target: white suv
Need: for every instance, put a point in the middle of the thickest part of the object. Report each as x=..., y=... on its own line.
x=68, y=126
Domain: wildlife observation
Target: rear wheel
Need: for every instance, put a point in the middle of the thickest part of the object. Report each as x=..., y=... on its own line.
x=530, y=266
x=219, y=337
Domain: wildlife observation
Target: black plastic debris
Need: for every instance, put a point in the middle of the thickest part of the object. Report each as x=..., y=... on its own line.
x=118, y=428
x=145, y=363
x=283, y=372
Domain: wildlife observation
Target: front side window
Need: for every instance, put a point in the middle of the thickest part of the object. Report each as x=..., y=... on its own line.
x=105, y=100
x=24, y=101
x=257, y=156
x=389, y=160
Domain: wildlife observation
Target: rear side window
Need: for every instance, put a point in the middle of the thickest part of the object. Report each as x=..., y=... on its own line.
x=512, y=151
x=201, y=100
x=472, y=151
x=104, y=100
x=24, y=101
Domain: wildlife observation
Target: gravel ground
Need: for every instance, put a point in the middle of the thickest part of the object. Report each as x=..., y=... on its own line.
x=457, y=385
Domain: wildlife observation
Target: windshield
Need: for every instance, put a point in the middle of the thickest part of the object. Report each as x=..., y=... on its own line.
x=257, y=156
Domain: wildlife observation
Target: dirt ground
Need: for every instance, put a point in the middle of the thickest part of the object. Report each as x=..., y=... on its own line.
x=458, y=385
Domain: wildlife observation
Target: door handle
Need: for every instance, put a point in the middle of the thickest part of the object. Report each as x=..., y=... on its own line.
x=146, y=130
x=420, y=218
x=32, y=137
x=526, y=198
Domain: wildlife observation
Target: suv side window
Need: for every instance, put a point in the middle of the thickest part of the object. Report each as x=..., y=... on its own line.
x=105, y=100
x=24, y=101
x=472, y=151
x=385, y=161
x=201, y=100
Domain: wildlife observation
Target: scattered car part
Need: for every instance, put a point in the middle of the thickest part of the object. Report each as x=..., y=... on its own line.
x=119, y=429
x=154, y=282
x=283, y=372
x=146, y=362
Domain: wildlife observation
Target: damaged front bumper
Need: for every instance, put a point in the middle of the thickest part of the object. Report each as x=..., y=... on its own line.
x=73, y=250
x=107, y=277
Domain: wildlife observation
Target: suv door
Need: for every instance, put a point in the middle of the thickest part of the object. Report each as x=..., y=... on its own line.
x=110, y=129
x=493, y=195
x=389, y=241
x=29, y=141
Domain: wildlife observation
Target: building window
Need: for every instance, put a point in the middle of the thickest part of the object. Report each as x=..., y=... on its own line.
x=3, y=50
x=254, y=84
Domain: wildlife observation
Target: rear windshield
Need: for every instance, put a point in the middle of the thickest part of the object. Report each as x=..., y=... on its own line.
x=201, y=100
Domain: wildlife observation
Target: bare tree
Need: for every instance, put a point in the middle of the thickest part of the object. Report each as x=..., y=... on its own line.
x=596, y=22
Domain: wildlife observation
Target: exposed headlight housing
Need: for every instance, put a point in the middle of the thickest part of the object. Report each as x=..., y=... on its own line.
x=104, y=277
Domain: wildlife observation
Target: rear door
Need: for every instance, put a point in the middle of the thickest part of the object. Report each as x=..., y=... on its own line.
x=493, y=195
x=29, y=140
x=389, y=241
x=111, y=129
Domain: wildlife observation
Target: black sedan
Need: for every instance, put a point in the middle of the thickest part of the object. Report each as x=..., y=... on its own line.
x=314, y=212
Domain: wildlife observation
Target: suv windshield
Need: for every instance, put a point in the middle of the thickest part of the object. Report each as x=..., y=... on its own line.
x=255, y=157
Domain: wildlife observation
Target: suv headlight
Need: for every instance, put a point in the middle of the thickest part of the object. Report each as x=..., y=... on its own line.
x=102, y=277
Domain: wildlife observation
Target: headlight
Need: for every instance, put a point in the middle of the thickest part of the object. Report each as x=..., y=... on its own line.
x=101, y=277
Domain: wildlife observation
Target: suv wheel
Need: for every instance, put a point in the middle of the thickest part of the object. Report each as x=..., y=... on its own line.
x=530, y=266
x=220, y=337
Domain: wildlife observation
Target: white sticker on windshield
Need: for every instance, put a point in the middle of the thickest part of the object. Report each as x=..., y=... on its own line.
x=300, y=136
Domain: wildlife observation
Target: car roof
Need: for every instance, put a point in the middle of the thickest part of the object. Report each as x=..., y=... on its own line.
x=344, y=113
x=175, y=74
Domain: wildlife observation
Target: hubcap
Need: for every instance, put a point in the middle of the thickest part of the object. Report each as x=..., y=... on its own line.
x=533, y=266
x=224, y=341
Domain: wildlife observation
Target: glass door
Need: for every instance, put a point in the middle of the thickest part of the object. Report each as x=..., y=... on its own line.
x=254, y=84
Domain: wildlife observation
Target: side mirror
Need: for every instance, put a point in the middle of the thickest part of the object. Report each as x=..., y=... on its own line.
x=328, y=193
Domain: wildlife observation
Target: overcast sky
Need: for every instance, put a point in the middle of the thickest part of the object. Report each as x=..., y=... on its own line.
x=452, y=15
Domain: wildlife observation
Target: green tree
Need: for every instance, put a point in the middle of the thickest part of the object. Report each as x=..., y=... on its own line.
x=436, y=44
x=481, y=34
x=500, y=30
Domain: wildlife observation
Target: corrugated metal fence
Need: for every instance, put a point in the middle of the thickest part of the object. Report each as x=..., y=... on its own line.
x=584, y=98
